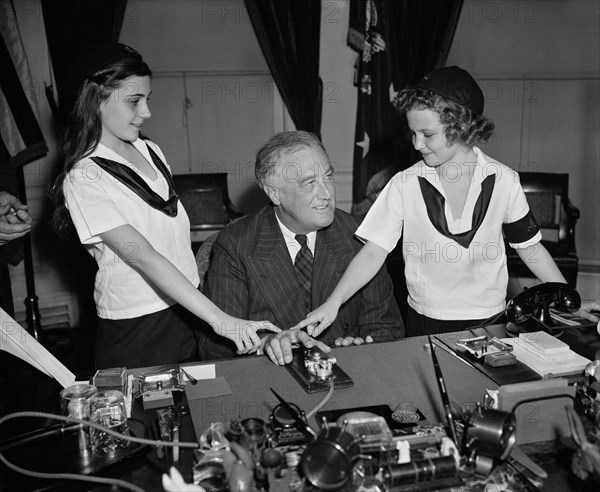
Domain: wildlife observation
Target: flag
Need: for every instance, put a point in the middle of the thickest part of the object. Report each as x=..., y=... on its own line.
x=397, y=43
x=378, y=125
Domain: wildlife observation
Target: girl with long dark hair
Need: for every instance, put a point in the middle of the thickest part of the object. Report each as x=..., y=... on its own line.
x=117, y=190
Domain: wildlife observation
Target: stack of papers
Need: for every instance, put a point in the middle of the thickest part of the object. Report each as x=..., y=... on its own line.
x=546, y=354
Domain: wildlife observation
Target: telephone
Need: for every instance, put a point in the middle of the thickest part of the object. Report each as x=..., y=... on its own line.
x=535, y=302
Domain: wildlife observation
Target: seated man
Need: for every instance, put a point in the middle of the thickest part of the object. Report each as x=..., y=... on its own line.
x=260, y=270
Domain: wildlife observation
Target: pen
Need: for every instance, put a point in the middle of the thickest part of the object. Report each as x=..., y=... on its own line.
x=500, y=345
x=443, y=394
x=189, y=377
x=444, y=346
x=160, y=450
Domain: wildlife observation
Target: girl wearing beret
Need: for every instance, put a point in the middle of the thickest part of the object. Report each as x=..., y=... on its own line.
x=117, y=190
x=453, y=209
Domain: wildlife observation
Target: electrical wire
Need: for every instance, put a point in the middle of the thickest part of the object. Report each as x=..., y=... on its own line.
x=79, y=477
x=323, y=401
x=487, y=322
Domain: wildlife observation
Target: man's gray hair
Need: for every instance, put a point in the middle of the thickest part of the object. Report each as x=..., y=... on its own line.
x=282, y=143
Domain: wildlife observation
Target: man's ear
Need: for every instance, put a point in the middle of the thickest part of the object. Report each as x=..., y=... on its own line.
x=273, y=194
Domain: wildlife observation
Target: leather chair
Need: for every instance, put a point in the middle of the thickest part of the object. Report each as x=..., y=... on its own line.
x=204, y=257
x=548, y=198
x=206, y=201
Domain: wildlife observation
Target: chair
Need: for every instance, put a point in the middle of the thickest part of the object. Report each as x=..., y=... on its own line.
x=547, y=195
x=204, y=257
x=206, y=201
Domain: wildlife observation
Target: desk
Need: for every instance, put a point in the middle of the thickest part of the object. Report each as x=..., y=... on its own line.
x=399, y=374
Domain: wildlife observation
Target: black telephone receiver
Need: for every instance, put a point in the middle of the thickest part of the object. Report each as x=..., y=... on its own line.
x=535, y=302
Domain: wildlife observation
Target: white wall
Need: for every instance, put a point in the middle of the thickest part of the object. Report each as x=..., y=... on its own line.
x=339, y=95
x=205, y=51
x=539, y=66
x=236, y=107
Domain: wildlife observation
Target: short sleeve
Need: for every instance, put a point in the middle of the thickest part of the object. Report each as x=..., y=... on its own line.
x=383, y=223
x=88, y=199
x=520, y=227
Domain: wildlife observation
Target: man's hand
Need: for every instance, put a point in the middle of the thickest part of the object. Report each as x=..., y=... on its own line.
x=243, y=333
x=320, y=319
x=15, y=221
x=279, y=347
x=347, y=341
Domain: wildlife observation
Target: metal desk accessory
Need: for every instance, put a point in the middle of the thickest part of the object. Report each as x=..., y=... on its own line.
x=317, y=371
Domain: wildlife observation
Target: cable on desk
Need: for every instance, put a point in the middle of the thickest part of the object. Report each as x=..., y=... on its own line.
x=323, y=401
x=75, y=476
x=488, y=322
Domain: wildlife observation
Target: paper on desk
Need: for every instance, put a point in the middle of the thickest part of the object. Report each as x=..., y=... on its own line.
x=207, y=388
x=205, y=371
x=560, y=366
x=17, y=341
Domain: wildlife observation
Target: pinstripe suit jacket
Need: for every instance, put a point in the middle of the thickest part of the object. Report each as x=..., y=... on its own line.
x=252, y=276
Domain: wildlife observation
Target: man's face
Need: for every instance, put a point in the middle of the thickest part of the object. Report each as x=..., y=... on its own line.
x=303, y=190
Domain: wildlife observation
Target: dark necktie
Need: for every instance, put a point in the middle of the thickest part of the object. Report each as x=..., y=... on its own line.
x=304, y=264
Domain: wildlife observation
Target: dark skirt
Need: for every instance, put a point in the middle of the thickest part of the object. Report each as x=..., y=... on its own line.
x=161, y=338
x=419, y=325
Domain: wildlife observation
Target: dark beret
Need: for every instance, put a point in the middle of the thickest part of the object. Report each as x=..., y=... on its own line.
x=455, y=84
x=93, y=58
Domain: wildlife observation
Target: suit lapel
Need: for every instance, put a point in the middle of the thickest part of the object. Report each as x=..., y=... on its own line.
x=270, y=264
x=331, y=249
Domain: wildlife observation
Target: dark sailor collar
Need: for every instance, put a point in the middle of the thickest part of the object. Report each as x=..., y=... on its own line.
x=435, y=203
x=130, y=178
x=483, y=179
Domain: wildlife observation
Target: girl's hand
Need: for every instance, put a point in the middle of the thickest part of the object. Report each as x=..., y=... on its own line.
x=320, y=319
x=243, y=333
x=585, y=311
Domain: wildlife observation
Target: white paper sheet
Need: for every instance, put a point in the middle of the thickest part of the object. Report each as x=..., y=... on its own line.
x=205, y=371
x=15, y=340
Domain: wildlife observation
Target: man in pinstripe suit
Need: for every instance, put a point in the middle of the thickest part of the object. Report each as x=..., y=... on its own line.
x=252, y=272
